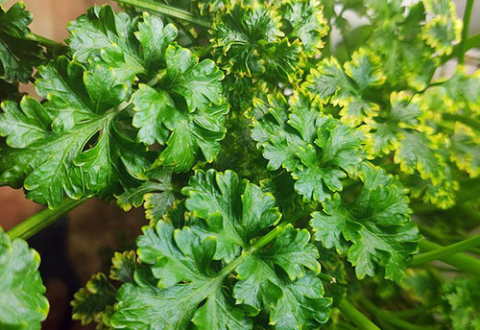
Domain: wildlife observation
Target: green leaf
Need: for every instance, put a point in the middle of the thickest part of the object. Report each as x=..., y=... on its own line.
x=72, y=143
x=108, y=38
x=303, y=306
x=198, y=83
x=156, y=193
x=466, y=149
x=375, y=229
x=249, y=43
x=123, y=266
x=328, y=80
x=24, y=128
x=233, y=211
x=317, y=149
x=185, y=287
x=260, y=285
x=22, y=295
x=179, y=101
x=397, y=38
x=401, y=128
x=178, y=256
x=154, y=42
x=334, y=227
x=460, y=91
x=185, y=131
x=416, y=153
x=348, y=88
x=305, y=18
x=137, y=47
x=404, y=113
x=444, y=29
x=90, y=303
x=19, y=53
x=462, y=305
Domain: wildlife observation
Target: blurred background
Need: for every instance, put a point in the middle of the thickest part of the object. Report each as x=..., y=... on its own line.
x=73, y=251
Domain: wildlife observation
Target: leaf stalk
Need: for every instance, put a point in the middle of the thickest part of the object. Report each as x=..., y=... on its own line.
x=458, y=260
x=446, y=251
x=166, y=10
x=354, y=315
x=466, y=23
x=42, y=219
x=388, y=317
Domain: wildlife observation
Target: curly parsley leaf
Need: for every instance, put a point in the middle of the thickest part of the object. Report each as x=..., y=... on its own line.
x=375, y=230
x=306, y=22
x=303, y=306
x=465, y=143
x=233, y=210
x=317, y=149
x=249, y=42
x=72, y=143
x=123, y=266
x=460, y=91
x=22, y=294
x=462, y=305
x=348, y=87
x=186, y=131
x=401, y=129
x=189, y=288
x=107, y=38
x=179, y=101
x=260, y=285
x=443, y=30
x=178, y=256
x=90, y=303
x=19, y=53
x=156, y=193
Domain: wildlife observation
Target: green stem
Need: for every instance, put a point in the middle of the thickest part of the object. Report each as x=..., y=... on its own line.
x=410, y=312
x=166, y=10
x=254, y=248
x=445, y=251
x=472, y=42
x=267, y=238
x=346, y=326
x=351, y=313
x=42, y=219
x=388, y=317
x=466, y=23
x=47, y=42
x=460, y=261
x=327, y=278
x=257, y=246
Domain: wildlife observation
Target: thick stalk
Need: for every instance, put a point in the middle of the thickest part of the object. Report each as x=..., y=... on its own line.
x=47, y=42
x=466, y=23
x=410, y=312
x=460, y=261
x=166, y=10
x=472, y=42
x=446, y=251
x=42, y=219
x=388, y=317
x=354, y=315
